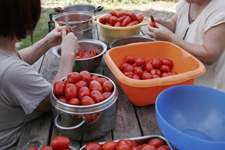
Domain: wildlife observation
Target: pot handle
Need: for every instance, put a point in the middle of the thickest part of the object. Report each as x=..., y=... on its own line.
x=96, y=22
x=99, y=8
x=67, y=128
x=143, y=23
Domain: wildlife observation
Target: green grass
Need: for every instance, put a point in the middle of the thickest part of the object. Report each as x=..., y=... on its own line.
x=158, y=9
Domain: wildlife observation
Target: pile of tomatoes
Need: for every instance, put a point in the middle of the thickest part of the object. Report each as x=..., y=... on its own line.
x=58, y=143
x=153, y=144
x=83, y=89
x=81, y=54
x=117, y=18
x=141, y=69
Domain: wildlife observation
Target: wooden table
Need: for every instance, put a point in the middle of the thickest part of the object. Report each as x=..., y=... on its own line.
x=132, y=121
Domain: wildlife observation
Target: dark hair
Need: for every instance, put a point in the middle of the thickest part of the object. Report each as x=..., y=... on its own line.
x=19, y=17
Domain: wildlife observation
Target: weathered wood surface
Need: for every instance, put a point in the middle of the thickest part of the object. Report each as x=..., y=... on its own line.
x=132, y=121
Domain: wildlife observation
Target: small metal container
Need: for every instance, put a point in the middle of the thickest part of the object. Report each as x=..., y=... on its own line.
x=130, y=39
x=83, y=7
x=89, y=64
x=87, y=122
x=142, y=140
x=80, y=22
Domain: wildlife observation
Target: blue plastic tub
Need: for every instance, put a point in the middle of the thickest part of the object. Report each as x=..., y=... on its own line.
x=192, y=117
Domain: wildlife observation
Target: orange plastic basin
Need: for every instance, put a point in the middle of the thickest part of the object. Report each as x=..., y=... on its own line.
x=145, y=92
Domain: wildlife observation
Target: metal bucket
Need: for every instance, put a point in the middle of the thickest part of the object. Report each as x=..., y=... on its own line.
x=87, y=122
x=81, y=23
x=83, y=8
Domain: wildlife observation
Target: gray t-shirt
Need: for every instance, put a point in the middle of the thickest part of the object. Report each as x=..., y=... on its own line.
x=21, y=91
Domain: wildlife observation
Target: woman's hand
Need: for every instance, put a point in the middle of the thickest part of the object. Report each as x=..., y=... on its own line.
x=159, y=32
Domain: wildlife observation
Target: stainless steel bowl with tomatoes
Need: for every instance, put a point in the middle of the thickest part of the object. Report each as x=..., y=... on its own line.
x=84, y=105
x=89, y=56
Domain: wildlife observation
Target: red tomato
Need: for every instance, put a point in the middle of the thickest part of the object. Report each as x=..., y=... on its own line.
x=62, y=99
x=113, y=20
x=129, y=68
x=84, y=91
x=33, y=148
x=128, y=74
x=140, y=61
x=158, y=72
x=59, y=87
x=122, y=145
x=120, y=19
x=102, y=20
x=153, y=71
x=148, y=147
x=86, y=76
x=126, y=21
x=107, y=86
x=60, y=142
x=165, y=74
x=134, y=148
x=140, y=17
x=136, y=77
x=131, y=143
x=73, y=77
x=149, y=61
x=156, y=142
x=167, y=62
x=87, y=100
x=133, y=16
x=86, y=55
x=173, y=73
x=129, y=59
x=136, y=67
x=138, y=72
x=154, y=76
x=152, y=23
x=146, y=76
x=109, y=145
x=96, y=96
x=80, y=52
x=95, y=77
x=46, y=148
x=65, y=81
x=165, y=68
x=107, y=17
x=78, y=57
x=133, y=23
x=163, y=147
x=95, y=85
x=121, y=13
x=117, y=24
x=81, y=84
x=101, y=80
x=123, y=65
x=93, y=52
x=88, y=118
x=70, y=91
x=106, y=94
x=74, y=101
x=156, y=62
x=113, y=12
x=93, y=146
x=94, y=116
x=148, y=67
x=108, y=24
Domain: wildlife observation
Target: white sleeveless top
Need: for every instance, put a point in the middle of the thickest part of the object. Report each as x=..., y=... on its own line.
x=212, y=15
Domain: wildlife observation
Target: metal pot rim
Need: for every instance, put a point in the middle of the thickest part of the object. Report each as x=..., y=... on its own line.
x=69, y=13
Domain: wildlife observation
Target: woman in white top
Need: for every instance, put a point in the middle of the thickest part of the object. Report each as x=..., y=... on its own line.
x=198, y=26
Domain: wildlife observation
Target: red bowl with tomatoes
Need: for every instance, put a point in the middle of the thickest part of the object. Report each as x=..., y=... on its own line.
x=157, y=141
x=89, y=62
x=81, y=106
x=111, y=32
x=144, y=92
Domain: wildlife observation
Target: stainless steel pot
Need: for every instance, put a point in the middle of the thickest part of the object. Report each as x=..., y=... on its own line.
x=85, y=122
x=81, y=23
x=130, y=39
x=89, y=64
x=83, y=7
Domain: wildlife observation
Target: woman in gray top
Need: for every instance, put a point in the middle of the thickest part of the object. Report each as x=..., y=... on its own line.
x=24, y=94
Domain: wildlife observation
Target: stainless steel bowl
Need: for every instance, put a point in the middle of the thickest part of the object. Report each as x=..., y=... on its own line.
x=72, y=120
x=130, y=39
x=83, y=7
x=81, y=23
x=89, y=64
